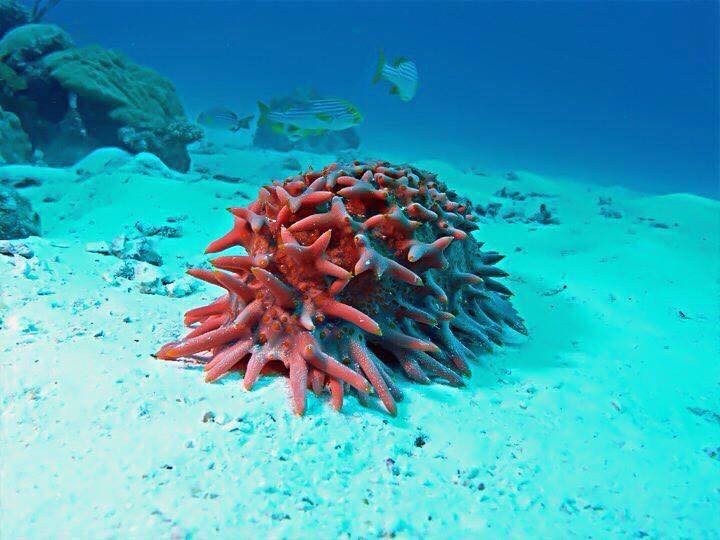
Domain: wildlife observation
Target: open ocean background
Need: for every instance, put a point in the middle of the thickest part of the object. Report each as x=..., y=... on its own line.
x=608, y=92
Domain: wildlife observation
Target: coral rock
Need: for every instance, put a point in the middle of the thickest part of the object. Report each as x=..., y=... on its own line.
x=31, y=42
x=350, y=275
x=15, y=147
x=12, y=14
x=122, y=103
x=17, y=219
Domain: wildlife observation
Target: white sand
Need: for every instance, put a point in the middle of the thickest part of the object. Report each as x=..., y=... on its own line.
x=601, y=424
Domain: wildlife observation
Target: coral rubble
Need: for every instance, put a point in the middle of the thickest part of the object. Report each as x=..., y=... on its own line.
x=350, y=274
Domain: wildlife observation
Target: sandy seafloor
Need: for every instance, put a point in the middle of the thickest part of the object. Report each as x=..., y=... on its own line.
x=604, y=423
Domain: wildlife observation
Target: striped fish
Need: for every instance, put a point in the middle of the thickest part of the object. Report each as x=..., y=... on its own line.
x=310, y=117
x=401, y=73
x=223, y=118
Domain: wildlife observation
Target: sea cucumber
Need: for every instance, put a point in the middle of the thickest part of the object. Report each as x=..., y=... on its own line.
x=350, y=274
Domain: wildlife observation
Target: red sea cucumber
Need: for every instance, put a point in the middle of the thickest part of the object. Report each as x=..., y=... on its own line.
x=350, y=274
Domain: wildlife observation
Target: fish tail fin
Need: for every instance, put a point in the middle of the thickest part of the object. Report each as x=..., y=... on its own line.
x=242, y=123
x=378, y=71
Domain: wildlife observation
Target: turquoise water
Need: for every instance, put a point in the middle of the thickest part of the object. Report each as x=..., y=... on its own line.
x=583, y=136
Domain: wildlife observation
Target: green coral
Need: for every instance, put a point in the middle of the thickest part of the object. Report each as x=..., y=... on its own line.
x=30, y=42
x=142, y=104
x=136, y=96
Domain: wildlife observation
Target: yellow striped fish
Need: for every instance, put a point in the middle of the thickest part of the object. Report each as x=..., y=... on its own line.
x=401, y=73
x=311, y=117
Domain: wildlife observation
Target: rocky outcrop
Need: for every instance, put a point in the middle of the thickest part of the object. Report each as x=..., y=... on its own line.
x=14, y=143
x=17, y=218
x=12, y=14
x=28, y=43
x=72, y=100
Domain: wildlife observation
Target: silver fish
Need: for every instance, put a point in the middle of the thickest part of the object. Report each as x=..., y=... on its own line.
x=401, y=73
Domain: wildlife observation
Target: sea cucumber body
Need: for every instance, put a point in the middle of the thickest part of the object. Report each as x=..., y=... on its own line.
x=350, y=275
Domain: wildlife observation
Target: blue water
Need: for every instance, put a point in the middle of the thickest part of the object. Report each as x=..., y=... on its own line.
x=622, y=92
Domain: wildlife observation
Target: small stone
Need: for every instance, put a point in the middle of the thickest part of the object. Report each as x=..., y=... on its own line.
x=231, y=426
x=167, y=231
x=609, y=212
x=139, y=249
x=103, y=248
x=182, y=287
x=149, y=279
x=544, y=216
x=11, y=248
x=221, y=419
x=121, y=270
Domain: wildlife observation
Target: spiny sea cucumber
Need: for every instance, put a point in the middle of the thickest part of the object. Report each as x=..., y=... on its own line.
x=350, y=274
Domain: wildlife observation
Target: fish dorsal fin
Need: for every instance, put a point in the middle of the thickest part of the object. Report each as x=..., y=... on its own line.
x=264, y=110
x=399, y=60
x=380, y=65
